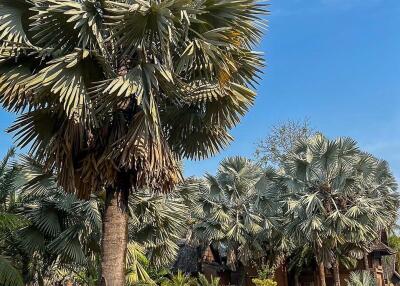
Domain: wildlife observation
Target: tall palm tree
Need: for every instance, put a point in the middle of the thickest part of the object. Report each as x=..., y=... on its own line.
x=336, y=199
x=229, y=219
x=112, y=93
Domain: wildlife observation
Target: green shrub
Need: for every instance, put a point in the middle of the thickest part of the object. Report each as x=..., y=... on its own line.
x=264, y=282
x=203, y=281
x=265, y=275
x=179, y=279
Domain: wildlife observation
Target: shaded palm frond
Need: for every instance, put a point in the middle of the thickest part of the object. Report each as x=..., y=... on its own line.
x=9, y=275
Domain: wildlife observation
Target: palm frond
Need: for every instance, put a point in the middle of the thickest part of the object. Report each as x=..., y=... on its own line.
x=14, y=23
x=361, y=278
x=65, y=25
x=9, y=275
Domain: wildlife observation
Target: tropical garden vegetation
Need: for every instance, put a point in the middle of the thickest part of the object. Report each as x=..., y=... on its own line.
x=325, y=201
x=110, y=96
x=50, y=236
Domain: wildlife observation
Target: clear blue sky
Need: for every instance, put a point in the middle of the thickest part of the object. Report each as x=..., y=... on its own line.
x=336, y=62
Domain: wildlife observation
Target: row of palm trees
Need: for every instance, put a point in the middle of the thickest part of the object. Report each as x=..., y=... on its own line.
x=112, y=94
x=325, y=198
x=326, y=201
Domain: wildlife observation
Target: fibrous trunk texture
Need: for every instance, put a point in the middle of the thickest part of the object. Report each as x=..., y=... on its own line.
x=115, y=237
x=336, y=274
x=321, y=272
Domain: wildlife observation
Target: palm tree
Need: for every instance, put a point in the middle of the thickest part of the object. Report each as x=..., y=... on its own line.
x=229, y=219
x=336, y=199
x=62, y=232
x=42, y=229
x=157, y=223
x=113, y=93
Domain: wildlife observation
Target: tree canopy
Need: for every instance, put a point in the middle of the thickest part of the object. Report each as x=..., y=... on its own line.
x=117, y=86
x=336, y=199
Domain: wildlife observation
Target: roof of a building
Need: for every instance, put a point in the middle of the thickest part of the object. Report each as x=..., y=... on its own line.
x=382, y=248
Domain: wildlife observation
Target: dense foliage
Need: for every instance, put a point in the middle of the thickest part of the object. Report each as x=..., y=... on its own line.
x=52, y=236
x=230, y=218
x=126, y=86
x=326, y=203
x=112, y=94
x=332, y=196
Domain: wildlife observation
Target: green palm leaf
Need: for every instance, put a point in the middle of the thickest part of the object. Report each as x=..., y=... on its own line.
x=9, y=275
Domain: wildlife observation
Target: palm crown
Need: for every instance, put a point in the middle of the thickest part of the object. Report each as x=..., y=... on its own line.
x=230, y=219
x=113, y=93
x=109, y=86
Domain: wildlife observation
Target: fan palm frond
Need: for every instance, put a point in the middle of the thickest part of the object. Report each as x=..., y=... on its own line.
x=230, y=218
x=9, y=275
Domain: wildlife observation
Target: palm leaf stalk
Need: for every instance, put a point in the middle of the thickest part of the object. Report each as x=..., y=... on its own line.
x=111, y=94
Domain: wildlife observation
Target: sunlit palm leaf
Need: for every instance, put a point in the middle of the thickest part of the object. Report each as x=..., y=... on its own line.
x=65, y=25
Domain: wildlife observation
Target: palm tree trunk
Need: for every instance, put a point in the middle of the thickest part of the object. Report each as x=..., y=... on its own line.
x=336, y=273
x=366, y=263
x=242, y=274
x=321, y=272
x=115, y=236
x=296, y=279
